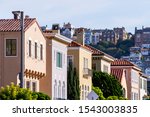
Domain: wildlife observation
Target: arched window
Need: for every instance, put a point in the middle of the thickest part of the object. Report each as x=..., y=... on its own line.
x=55, y=89
x=82, y=92
x=63, y=90
x=59, y=90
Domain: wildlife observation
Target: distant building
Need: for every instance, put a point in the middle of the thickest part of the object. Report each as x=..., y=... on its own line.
x=121, y=33
x=67, y=30
x=88, y=36
x=142, y=36
x=110, y=36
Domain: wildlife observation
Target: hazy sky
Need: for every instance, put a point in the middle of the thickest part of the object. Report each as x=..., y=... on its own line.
x=83, y=13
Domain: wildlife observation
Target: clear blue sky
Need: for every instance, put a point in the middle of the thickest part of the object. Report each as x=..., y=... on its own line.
x=83, y=13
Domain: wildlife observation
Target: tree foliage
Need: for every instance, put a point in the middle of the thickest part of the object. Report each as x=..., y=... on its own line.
x=14, y=92
x=108, y=84
x=122, y=48
x=73, y=88
x=98, y=91
x=41, y=96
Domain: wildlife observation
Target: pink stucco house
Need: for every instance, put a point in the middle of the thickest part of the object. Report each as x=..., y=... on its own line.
x=34, y=52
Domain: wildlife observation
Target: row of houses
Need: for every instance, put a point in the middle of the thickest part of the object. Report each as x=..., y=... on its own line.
x=47, y=54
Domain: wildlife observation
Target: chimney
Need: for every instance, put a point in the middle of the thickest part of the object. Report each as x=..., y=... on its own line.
x=16, y=14
x=27, y=17
x=80, y=36
x=56, y=28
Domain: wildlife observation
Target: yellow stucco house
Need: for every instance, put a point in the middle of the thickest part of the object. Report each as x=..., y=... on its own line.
x=81, y=58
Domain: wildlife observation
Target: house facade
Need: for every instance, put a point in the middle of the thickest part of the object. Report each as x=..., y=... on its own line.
x=143, y=86
x=34, y=53
x=55, y=83
x=81, y=58
x=132, y=77
x=100, y=60
x=120, y=74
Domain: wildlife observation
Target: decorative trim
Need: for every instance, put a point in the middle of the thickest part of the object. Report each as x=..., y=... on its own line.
x=34, y=74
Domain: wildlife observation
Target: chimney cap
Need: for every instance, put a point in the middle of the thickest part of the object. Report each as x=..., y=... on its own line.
x=16, y=14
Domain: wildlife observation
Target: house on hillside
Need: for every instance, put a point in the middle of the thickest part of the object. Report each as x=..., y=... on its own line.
x=10, y=52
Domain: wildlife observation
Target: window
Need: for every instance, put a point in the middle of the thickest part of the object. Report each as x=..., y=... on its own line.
x=141, y=87
x=85, y=91
x=11, y=47
x=145, y=85
x=85, y=64
x=124, y=92
x=94, y=66
x=82, y=92
x=28, y=84
x=41, y=51
x=59, y=60
x=36, y=50
x=59, y=90
x=63, y=90
x=105, y=69
x=55, y=89
x=34, y=86
x=69, y=60
x=30, y=48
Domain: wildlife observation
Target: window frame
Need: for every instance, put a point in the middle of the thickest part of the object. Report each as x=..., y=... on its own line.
x=30, y=48
x=60, y=64
x=34, y=82
x=41, y=51
x=5, y=50
x=35, y=50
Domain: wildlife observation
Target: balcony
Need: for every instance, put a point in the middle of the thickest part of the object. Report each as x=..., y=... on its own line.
x=87, y=72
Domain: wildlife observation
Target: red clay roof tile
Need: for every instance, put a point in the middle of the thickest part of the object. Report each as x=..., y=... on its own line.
x=117, y=72
x=76, y=44
x=121, y=62
x=14, y=24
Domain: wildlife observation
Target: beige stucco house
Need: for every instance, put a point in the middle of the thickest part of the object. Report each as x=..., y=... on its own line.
x=100, y=60
x=34, y=53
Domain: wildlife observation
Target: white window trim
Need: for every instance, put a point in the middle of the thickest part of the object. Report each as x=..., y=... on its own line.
x=5, y=47
x=56, y=59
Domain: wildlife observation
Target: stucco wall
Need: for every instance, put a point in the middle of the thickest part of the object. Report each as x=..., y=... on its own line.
x=9, y=66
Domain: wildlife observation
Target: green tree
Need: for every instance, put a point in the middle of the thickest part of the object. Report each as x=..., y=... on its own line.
x=73, y=88
x=109, y=85
x=98, y=91
x=41, y=96
x=14, y=92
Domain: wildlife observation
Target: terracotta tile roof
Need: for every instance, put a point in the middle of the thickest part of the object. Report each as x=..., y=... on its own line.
x=95, y=51
x=14, y=24
x=76, y=44
x=117, y=73
x=98, y=52
x=121, y=62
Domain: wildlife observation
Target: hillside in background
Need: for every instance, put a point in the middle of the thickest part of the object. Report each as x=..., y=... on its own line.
x=122, y=48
